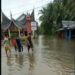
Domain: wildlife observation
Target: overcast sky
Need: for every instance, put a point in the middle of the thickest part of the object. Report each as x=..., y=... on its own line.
x=17, y=7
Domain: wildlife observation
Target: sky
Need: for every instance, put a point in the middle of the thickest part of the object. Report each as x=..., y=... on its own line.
x=17, y=7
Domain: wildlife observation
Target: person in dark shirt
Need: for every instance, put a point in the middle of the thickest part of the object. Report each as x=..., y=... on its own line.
x=19, y=44
x=29, y=42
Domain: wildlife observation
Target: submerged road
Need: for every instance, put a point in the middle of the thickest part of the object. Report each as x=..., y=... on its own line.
x=51, y=56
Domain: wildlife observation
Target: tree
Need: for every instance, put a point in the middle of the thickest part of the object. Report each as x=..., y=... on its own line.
x=54, y=13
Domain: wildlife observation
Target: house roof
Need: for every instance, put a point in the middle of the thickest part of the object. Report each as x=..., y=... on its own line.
x=6, y=23
x=22, y=20
x=32, y=16
x=17, y=23
x=22, y=17
x=67, y=25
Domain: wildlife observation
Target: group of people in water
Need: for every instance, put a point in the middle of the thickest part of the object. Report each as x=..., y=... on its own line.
x=18, y=42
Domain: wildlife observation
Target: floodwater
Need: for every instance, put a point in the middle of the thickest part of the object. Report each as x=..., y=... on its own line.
x=51, y=56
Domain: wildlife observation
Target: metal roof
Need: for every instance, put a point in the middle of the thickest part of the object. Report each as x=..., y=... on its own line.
x=6, y=23
x=20, y=22
x=32, y=16
x=68, y=24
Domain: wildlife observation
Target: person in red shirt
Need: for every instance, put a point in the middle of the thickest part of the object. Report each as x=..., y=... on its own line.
x=14, y=43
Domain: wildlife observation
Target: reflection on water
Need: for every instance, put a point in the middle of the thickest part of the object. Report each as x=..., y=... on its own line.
x=9, y=61
x=19, y=60
x=31, y=63
x=51, y=56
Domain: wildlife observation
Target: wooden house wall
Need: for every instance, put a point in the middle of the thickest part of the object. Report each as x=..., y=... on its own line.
x=13, y=28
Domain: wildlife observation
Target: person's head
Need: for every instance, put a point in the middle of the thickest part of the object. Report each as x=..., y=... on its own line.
x=6, y=35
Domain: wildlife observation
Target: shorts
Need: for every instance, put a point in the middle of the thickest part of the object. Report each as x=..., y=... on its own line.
x=7, y=48
x=30, y=46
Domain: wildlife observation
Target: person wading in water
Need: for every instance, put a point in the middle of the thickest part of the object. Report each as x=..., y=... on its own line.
x=19, y=44
x=29, y=43
x=7, y=45
x=14, y=43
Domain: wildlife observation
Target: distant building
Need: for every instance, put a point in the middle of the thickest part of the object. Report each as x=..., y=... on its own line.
x=9, y=26
x=22, y=23
x=26, y=20
x=67, y=30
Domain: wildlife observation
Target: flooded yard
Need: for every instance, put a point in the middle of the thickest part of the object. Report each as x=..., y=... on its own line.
x=51, y=56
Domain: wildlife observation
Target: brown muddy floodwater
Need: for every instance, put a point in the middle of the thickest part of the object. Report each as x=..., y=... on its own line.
x=51, y=56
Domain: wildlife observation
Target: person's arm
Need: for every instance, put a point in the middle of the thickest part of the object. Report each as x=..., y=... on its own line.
x=11, y=44
x=3, y=42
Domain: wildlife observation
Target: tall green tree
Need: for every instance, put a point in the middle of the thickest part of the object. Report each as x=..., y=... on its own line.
x=54, y=13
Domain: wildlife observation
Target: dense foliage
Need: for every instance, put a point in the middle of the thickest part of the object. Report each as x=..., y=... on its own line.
x=53, y=14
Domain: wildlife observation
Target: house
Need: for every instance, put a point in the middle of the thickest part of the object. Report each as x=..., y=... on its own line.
x=67, y=30
x=22, y=23
x=27, y=21
x=10, y=26
x=34, y=25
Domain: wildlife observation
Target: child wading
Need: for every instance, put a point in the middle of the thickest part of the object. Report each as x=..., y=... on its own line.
x=19, y=44
x=14, y=44
x=29, y=42
x=7, y=45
